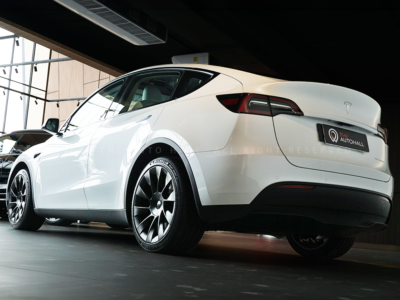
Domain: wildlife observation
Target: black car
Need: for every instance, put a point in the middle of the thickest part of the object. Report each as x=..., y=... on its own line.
x=11, y=146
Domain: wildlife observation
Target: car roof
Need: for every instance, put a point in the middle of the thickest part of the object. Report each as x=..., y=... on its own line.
x=244, y=77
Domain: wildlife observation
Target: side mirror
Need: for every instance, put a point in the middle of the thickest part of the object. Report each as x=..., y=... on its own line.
x=51, y=125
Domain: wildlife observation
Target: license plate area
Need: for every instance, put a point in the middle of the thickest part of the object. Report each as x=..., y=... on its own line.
x=340, y=137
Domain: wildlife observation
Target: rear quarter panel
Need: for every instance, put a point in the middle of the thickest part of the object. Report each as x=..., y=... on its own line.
x=199, y=118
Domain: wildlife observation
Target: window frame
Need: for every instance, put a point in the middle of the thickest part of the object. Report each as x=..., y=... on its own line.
x=184, y=69
x=212, y=73
x=133, y=75
x=65, y=126
x=173, y=96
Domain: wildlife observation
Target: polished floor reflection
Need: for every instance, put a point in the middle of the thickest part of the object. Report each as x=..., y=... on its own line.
x=96, y=262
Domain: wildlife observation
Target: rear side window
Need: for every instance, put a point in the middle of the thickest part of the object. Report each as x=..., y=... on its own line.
x=192, y=81
x=148, y=89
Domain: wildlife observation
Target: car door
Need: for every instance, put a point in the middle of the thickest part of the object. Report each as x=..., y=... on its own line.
x=120, y=136
x=62, y=164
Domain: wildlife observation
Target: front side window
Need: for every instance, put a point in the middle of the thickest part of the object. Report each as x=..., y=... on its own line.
x=96, y=108
x=7, y=142
x=148, y=89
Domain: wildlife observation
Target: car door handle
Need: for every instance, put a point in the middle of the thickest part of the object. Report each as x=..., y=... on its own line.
x=36, y=155
x=148, y=117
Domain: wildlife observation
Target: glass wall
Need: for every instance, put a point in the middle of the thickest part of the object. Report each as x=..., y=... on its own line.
x=22, y=78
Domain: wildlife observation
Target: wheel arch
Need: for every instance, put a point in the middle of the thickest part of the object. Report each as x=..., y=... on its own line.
x=153, y=149
x=19, y=166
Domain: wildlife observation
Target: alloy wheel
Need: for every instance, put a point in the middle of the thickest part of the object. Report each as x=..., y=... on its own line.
x=310, y=242
x=154, y=204
x=16, y=206
x=53, y=219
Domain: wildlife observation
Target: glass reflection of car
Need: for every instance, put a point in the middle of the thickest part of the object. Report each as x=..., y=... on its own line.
x=11, y=146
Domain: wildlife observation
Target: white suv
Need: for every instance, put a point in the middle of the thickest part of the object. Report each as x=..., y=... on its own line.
x=176, y=150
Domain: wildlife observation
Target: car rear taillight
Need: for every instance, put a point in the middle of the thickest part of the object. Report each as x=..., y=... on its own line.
x=284, y=106
x=259, y=104
x=255, y=104
x=231, y=101
x=383, y=132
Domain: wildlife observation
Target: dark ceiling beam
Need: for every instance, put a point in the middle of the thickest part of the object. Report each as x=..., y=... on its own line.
x=61, y=28
x=262, y=41
x=260, y=48
x=58, y=47
x=190, y=28
x=354, y=48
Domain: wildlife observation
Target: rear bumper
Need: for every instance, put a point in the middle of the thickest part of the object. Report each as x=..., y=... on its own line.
x=325, y=210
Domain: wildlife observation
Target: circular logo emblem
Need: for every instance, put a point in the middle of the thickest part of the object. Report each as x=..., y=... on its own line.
x=333, y=135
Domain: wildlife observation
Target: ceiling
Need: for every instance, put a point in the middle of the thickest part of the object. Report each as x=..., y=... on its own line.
x=349, y=46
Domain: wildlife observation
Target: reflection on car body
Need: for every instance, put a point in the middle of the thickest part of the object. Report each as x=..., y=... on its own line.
x=176, y=150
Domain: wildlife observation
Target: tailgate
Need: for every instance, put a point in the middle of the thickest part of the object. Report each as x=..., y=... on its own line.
x=349, y=111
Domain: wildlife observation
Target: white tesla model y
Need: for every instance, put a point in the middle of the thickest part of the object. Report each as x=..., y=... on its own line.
x=175, y=150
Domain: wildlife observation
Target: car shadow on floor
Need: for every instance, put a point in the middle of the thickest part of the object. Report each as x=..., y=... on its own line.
x=228, y=248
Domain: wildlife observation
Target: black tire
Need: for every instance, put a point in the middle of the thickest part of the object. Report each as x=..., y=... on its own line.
x=116, y=226
x=20, y=207
x=164, y=180
x=58, y=222
x=327, y=248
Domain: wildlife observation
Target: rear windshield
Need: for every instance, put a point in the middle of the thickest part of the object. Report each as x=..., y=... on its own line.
x=7, y=142
x=29, y=140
